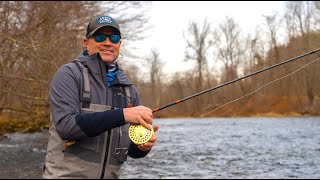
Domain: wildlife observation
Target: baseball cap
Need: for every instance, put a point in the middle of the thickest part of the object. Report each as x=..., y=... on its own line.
x=101, y=21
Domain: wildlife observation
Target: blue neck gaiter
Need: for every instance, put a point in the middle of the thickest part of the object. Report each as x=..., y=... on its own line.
x=112, y=72
x=112, y=69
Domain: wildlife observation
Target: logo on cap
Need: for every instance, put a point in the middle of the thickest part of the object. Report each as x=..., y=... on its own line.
x=105, y=20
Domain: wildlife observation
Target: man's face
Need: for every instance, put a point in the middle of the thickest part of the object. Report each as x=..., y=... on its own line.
x=108, y=51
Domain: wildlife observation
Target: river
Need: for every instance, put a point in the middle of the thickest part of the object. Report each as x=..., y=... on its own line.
x=198, y=149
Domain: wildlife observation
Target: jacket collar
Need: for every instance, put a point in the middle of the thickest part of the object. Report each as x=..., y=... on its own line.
x=97, y=67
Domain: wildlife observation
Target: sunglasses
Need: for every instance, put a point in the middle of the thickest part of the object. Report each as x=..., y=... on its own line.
x=114, y=38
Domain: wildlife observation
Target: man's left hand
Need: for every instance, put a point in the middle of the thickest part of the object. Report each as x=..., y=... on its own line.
x=148, y=145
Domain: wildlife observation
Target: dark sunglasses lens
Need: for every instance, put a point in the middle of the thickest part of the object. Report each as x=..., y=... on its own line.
x=100, y=37
x=114, y=38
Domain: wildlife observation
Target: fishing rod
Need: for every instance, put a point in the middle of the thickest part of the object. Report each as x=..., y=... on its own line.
x=139, y=134
x=235, y=80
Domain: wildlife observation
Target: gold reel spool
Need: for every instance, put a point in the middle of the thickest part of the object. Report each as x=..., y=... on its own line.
x=139, y=134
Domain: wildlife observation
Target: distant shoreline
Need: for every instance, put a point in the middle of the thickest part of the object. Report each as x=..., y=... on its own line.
x=16, y=126
x=270, y=114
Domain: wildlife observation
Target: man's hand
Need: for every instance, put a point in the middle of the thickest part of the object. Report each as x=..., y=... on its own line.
x=138, y=115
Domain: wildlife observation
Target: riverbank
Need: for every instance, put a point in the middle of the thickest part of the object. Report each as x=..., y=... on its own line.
x=28, y=126
x=11, y=125
x=257, y=106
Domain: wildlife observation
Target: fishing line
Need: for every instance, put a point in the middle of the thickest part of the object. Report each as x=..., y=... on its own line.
x=140, y=135
x=235, y=80
x=259, y=88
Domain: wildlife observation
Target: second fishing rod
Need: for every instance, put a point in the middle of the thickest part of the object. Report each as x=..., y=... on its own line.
x=139, y=134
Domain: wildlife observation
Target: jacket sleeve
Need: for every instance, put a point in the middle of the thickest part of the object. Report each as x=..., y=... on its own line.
x=69, y=121
x=134, y=151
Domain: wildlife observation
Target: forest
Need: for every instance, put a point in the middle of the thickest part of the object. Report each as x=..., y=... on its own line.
x=37, y=37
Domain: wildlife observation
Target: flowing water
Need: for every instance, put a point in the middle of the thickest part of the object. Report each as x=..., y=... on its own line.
x=199, y=149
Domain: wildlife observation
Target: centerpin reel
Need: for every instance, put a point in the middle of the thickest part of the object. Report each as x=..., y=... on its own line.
x=139, y=134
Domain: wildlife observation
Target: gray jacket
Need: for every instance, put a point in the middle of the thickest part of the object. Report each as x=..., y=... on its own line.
x=93, y=141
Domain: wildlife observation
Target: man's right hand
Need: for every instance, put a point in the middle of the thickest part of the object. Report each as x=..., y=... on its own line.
x=138, y=115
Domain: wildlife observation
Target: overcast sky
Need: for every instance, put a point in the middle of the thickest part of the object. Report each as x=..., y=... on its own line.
x=170, y=19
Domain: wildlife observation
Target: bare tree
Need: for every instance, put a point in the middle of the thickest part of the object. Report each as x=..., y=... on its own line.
x=156, y=75
x=230, y=48
x=196, y=50
x=37, y=37
x=257, y=51
x=273, y=25
x=199, y=45
x=299, y=14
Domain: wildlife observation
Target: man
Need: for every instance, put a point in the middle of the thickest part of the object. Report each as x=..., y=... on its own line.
x=92, y=105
